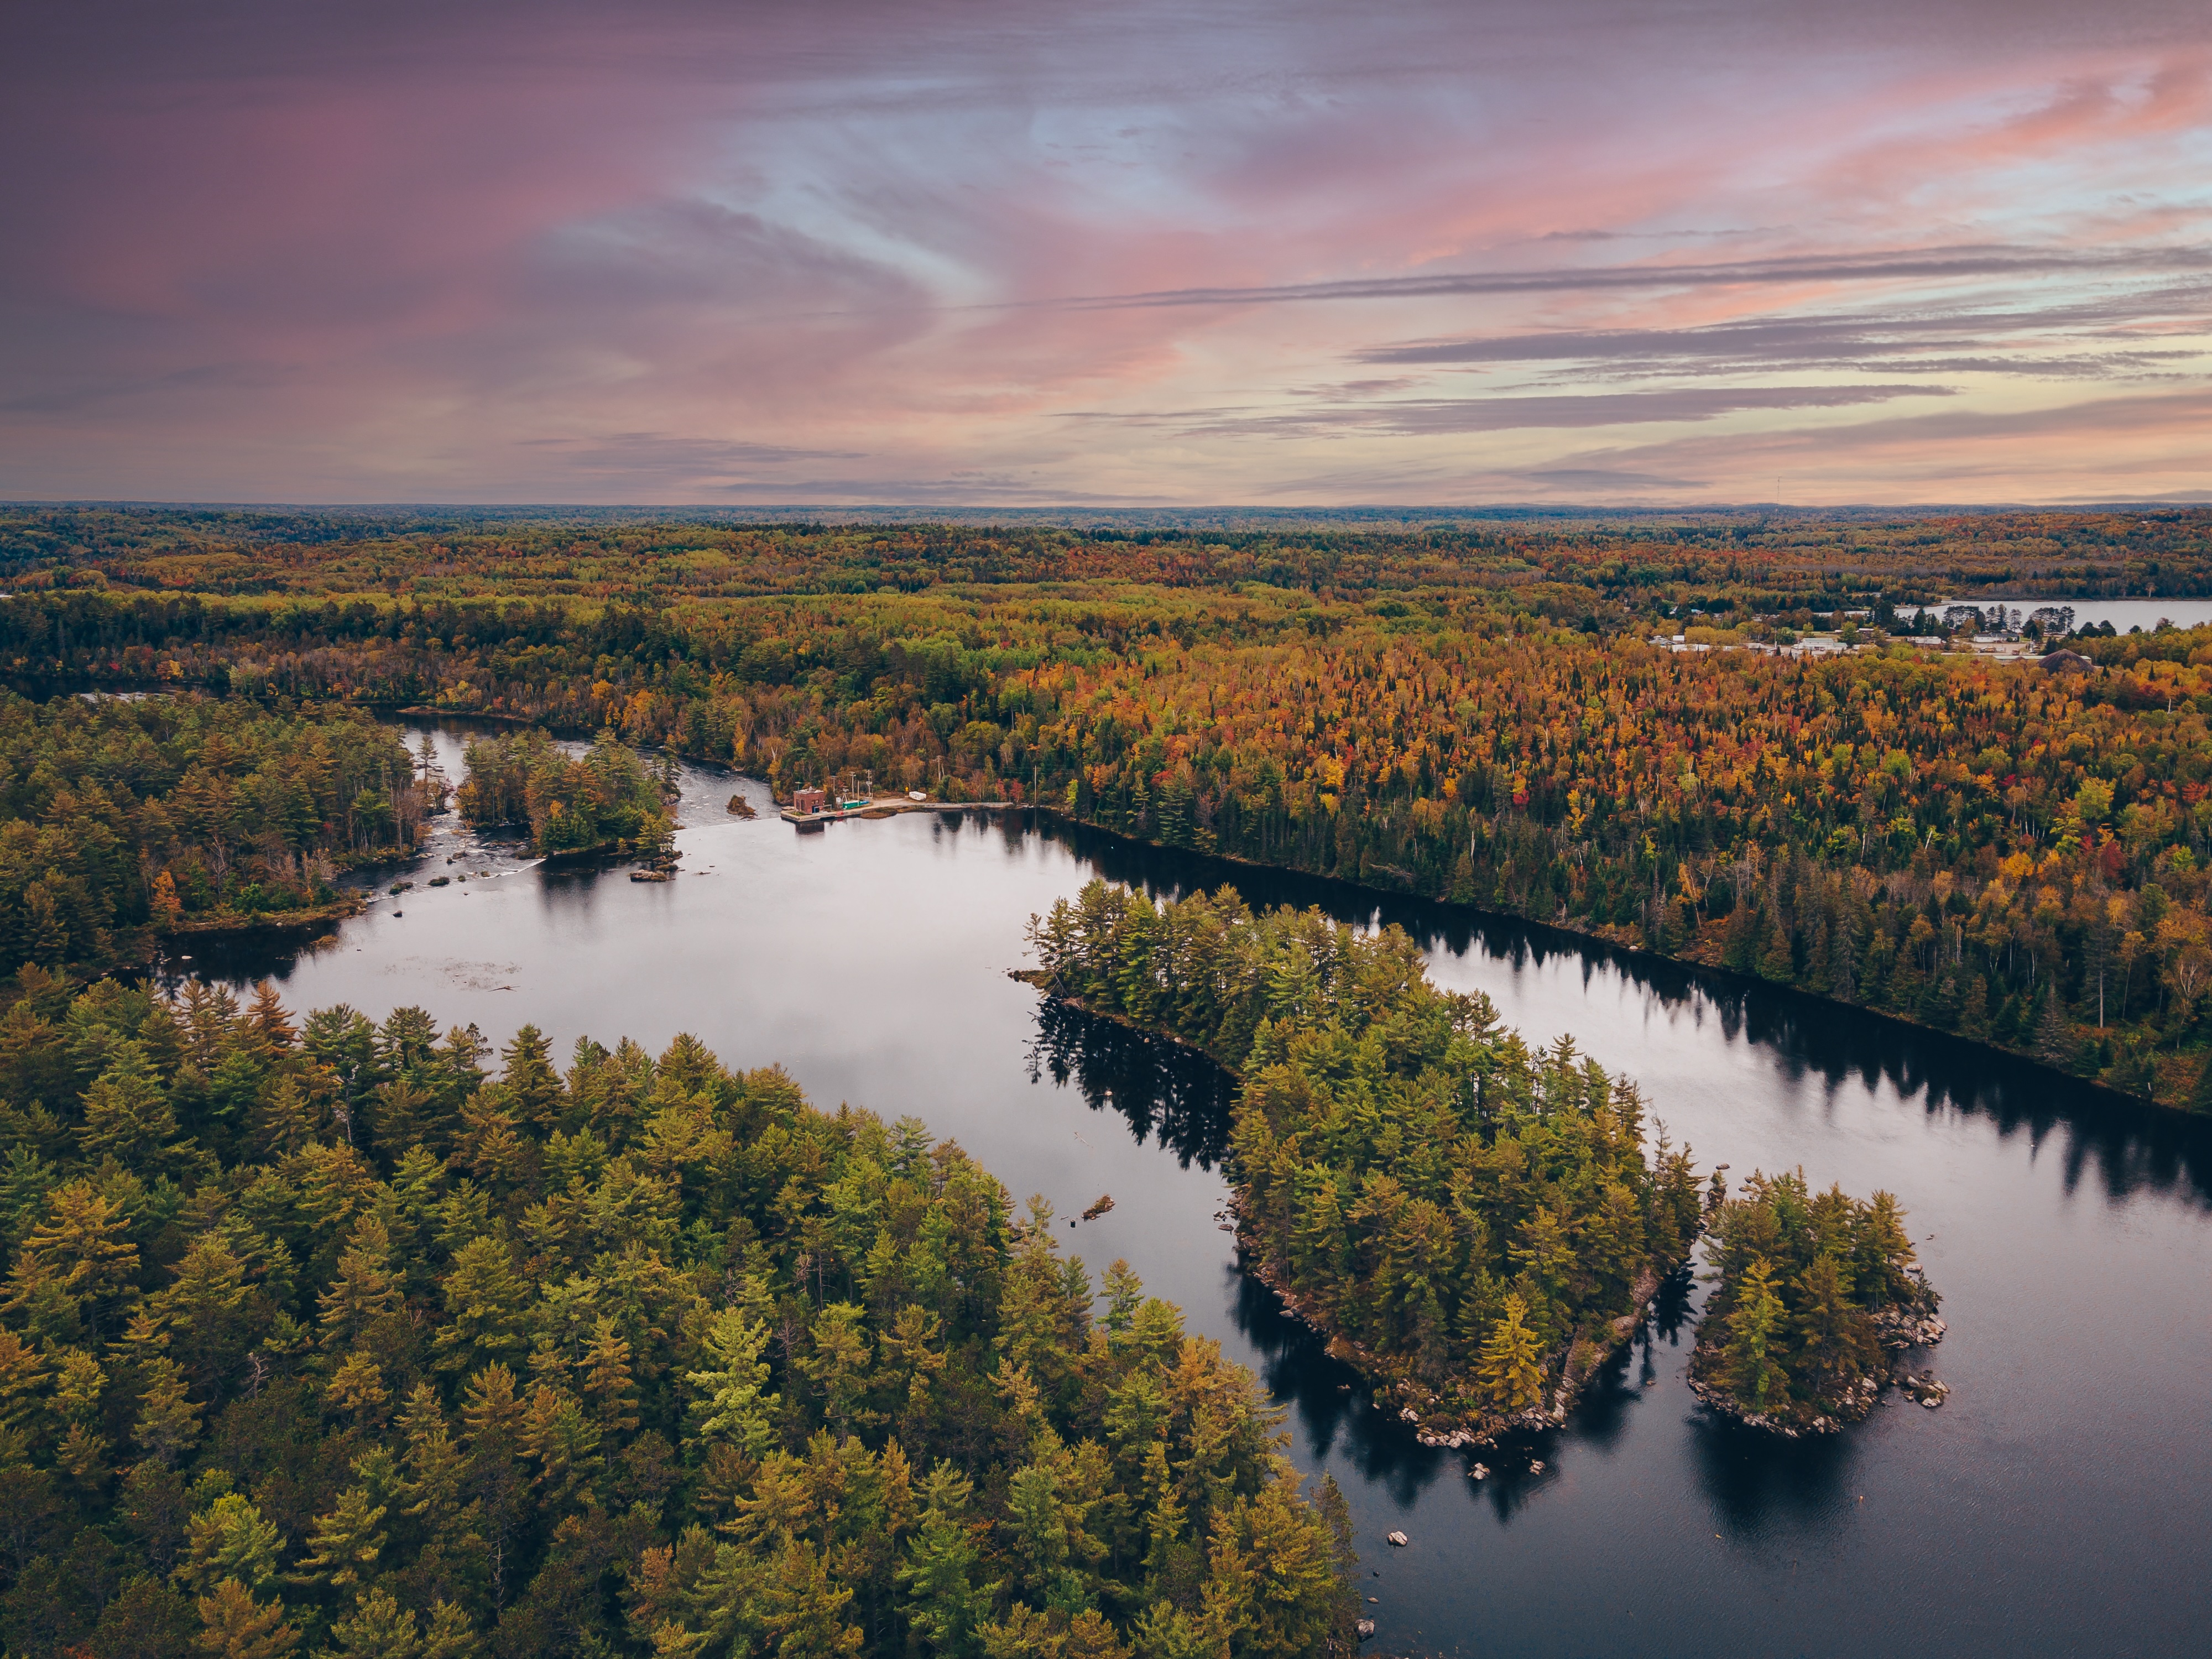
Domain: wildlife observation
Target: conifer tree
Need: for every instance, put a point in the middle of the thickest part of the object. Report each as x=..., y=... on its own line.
x=1754, y=1332
x=234, y=1626
x=1510, y=1368
x=532, y=1086
x=126, y=1113
x=377, y=1628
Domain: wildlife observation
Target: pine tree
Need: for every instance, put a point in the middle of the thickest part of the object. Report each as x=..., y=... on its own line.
x=211, y=1314
x=490, y=1144
x=802, y=1609
x=22, y=1375
x=399, y=1116
x=939, y=1574
x=1511, y=1368
x=377, y=1628
x=283, y=1122
x=726, y=1398
x=85, y=1252
x=269, y=1019
x=343, y=1548
x=167, y=1423
x=532, y=1086
x=356, y=1390
x=607, y=1382
x=365, y=1292
x=1754, y=1325
x=1831, y=1344
x=126, y=1113
x=234, y=1626
x=2054, y=1033
x=485, y=1301
x=450, y=1635
x=230, y=1539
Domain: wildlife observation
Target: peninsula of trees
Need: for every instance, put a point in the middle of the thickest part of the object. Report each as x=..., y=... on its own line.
x=324, y=1339
x=1812, y=1295
x=1472, y=1224
x=120, y=818
x=1466, y=709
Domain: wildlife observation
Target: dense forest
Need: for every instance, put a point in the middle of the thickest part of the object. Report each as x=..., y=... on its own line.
x=605, y=798
x=322, y=1338
x=1468, y=710
x=1813, y=1294
x=1771, y=559
x=1473, y=1225
x=119, y=817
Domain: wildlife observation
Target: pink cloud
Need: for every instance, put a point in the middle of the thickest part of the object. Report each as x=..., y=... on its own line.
x=502, y=253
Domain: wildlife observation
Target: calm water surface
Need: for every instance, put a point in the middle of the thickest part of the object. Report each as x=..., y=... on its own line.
x=2060, y=1503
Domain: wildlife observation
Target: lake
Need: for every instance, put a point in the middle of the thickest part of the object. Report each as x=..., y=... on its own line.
x=2122, y=614
x=2061, y=1503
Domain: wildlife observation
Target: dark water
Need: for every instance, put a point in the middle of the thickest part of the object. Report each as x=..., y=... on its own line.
x=2060, y=1503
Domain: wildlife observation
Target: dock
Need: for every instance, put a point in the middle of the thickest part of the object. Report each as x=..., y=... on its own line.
x=880, y=806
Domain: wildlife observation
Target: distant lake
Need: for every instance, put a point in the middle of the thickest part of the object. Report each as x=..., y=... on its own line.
x=2122, y=614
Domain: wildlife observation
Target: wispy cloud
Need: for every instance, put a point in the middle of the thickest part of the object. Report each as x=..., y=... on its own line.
x=1274, y=249
x=2120, y=334
x=1940, y=265
x=1436, y=415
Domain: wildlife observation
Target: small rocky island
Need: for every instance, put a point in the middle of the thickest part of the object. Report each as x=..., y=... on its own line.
x=1816, y=1302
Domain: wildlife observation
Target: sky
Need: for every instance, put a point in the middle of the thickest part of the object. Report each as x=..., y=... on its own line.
x=1022, y=252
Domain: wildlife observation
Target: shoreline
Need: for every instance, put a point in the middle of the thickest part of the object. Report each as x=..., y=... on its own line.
x=1899, y=1333
x=265, y=921
x=1587, y=1350
x=1587, y=938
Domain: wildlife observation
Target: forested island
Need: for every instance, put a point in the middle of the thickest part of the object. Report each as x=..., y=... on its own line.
x=321, y=1337
x=1474, y=1225
x=1812, y=1295
x=122, y=819
x=1466, y=708
x=604, y=799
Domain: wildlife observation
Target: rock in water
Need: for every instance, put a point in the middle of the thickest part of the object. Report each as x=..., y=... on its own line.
x=1398, y=1540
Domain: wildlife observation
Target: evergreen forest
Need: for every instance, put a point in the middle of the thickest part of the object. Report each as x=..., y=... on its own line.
x=1474, y=1225
x=1812, y=1294
x=123, y=815
x=605, y=798
x=341, y=1337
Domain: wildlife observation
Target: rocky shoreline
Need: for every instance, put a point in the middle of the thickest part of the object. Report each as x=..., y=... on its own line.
x=1900, y=1330
x=1434, y=1423
x=265, y=922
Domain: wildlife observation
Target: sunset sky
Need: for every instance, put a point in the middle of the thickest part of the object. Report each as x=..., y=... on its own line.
x=994, y=253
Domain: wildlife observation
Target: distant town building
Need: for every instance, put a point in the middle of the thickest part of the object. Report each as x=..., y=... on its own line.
x=2067, y=662
x=809, y=800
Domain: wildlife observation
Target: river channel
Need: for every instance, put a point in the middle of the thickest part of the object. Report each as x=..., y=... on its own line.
x=2061, y=1503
